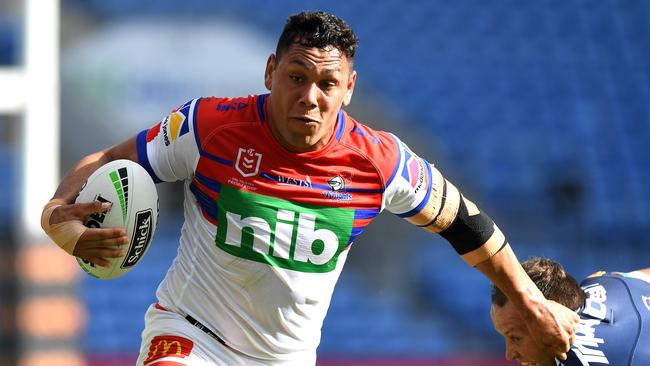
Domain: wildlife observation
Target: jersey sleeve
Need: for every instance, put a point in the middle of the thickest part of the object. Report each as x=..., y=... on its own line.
x=169, y=150
x=409, y=187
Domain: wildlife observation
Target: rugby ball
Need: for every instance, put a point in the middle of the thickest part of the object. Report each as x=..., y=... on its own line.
x=130, y=189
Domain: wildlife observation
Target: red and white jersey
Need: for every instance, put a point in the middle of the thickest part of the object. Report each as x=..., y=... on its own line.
x=266, y=230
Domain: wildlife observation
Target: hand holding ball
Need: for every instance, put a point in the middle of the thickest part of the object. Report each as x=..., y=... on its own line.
x=134, y=200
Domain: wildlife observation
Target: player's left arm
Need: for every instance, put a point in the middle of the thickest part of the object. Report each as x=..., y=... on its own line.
x=477, y=239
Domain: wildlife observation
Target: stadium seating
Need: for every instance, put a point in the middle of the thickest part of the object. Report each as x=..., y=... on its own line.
x=539, y=109
x=8, y=42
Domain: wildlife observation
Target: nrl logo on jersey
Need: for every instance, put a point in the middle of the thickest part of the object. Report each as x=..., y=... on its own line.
x=248, y=162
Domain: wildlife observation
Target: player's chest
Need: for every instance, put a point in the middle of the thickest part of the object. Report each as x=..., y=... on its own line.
x=335, y=179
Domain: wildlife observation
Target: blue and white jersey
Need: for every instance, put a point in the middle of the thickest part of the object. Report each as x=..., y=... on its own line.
x=614, y=326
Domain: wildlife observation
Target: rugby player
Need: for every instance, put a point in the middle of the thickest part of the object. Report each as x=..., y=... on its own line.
x=614, y=311
x=277, y=187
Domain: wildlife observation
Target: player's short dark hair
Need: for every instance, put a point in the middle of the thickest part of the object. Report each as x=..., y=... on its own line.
x=318, y=29
x=551, y=279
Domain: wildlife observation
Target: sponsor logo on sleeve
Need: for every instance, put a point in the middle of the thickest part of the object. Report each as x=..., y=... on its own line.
x=168, y=346
x=414, y=171
x=174, y=126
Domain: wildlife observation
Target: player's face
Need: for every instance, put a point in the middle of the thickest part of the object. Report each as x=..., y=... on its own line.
x=308, y=88
x=520, y=345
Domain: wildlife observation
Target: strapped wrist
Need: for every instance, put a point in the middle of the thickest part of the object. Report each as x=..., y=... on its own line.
x=65, y=234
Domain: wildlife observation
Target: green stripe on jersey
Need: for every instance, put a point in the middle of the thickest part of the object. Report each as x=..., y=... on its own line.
x=300, y=237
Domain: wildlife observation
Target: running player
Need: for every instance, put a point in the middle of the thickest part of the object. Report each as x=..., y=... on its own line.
x=277, y=188
x=614, y=311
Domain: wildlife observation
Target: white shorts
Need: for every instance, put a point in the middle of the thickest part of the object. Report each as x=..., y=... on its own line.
x=168, y=339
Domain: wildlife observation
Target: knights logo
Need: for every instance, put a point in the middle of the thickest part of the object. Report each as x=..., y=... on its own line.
x=337, y=183
x=248, y=162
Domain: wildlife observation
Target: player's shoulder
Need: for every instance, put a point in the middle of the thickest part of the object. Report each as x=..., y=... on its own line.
x=381, y=148
x=230, y=109
x=624, y=276
x=376, y=144
x=212, y=113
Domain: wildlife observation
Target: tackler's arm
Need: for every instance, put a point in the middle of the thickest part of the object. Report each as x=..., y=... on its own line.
x=481, y=244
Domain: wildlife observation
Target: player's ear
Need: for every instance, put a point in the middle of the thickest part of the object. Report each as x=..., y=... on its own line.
x=268, y=72
x=350, y=88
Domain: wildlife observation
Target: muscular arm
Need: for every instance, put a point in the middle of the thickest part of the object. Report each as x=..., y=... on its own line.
x=471, y=232
x=71, y=184
x=481, y=244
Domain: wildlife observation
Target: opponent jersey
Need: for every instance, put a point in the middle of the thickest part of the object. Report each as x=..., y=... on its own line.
x=614, y=326
x=266, y=230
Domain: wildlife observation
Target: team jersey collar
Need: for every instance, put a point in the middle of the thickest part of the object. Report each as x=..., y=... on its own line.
x=339, y=129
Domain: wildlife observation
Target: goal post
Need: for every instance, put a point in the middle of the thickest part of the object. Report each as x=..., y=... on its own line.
x=48, y=316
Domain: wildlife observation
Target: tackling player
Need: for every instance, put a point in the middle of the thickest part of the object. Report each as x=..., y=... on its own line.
x=614, y=311
x=277, y=188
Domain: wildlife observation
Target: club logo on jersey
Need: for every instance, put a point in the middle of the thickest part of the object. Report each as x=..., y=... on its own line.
x=174, y=126
x=338, y=184
x=168, y=346
x=646, y=301
x=280, y=233
x=248, y=162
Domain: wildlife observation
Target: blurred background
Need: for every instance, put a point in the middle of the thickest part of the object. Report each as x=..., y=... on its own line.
x=538, y=110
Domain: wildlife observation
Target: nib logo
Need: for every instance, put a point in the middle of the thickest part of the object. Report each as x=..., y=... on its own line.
x=248, y=162
x=281, y=233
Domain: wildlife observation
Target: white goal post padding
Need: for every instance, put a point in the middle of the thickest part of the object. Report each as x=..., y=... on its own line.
x=32, y=90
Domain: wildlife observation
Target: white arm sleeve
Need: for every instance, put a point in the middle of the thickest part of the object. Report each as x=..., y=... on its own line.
x=169, y=150
x=409, y=188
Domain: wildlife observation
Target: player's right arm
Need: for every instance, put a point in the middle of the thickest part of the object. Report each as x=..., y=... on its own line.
x=62, y=219
x=168, y=151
